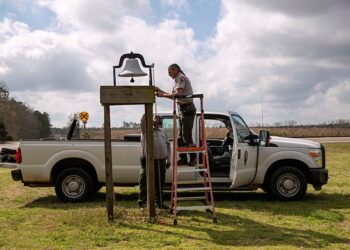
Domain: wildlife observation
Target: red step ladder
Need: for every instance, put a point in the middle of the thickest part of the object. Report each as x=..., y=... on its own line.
x=202, y=187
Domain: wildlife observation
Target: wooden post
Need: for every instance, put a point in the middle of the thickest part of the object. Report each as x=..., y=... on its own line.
x=108, y=163
x=150, y=162
x=129, y=95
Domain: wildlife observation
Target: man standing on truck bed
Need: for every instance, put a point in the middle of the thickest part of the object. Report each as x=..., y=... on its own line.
x=162, y=154
x=187, y=110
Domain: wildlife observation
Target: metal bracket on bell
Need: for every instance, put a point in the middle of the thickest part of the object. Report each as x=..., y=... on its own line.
x=132, y=67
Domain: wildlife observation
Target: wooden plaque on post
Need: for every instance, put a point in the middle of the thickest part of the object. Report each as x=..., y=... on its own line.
x=127, y=95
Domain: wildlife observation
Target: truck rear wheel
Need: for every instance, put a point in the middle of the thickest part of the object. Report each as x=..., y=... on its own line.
x=288, y=183
x=97, y=186
x=73, y=185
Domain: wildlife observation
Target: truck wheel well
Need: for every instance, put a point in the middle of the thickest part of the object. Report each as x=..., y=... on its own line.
x=76, y=163
x=288, y=162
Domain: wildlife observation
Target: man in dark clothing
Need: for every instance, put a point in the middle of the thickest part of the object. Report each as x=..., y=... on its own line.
x=162, y=156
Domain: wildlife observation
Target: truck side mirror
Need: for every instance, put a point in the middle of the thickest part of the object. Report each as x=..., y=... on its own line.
x=264, y=138
x=251, y=139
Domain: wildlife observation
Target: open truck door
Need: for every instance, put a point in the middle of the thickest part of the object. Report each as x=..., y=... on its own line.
x=244, y=153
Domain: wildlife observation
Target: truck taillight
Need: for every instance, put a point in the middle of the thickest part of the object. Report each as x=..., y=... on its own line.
x=18, y=155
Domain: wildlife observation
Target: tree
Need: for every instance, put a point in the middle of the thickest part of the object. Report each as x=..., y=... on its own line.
x=4, y=93
x=20, y=120
x=3, y=132
x=44, y=124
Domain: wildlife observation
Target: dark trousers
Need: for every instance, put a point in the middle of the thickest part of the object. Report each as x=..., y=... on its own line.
x=187, y=113
x=159, y=169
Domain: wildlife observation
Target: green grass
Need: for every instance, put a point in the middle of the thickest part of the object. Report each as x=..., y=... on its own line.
x=32, y=218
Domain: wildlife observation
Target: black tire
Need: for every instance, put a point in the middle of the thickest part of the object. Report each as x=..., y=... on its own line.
x=73, y=185
x=288, y=183
x=97, y=186
x=265, y=187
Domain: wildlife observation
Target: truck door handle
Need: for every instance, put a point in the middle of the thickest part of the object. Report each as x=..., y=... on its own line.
x=239, y=154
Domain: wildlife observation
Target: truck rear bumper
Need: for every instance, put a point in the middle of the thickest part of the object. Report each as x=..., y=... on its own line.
x=319, y=177
x=17, y=175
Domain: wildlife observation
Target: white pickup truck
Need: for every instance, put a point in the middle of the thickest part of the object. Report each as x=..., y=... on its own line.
x=239, y=159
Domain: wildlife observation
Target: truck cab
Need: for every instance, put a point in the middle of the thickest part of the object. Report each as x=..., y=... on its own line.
x=240, y=159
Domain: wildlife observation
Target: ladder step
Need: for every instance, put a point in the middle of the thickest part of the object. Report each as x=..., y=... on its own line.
x=190, y=198
x=191, y=149
x=193, y=208
x=193, y=189
x=190, y=152
x=191, y=170
x=201, y=187
x=199, y=181
x=186, y=166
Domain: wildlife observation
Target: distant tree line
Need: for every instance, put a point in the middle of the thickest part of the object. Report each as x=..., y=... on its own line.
x=19, y=121
x=340, y=123
x=131, y=124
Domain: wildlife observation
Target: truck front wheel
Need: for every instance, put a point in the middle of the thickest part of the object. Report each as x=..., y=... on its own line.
x=288, y=183
x=73, y=185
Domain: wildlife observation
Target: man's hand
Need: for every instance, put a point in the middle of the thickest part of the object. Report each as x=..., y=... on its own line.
x=158, y=91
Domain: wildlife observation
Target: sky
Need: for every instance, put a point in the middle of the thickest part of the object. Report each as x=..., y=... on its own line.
x=270, y=61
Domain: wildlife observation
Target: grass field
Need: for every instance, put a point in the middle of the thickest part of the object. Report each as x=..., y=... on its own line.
x=32, y=218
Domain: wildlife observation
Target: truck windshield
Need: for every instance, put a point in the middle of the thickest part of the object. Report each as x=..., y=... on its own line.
x=242, y=129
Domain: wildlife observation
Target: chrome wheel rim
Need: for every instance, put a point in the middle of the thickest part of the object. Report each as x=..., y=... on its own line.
x=73, y=186
x=288, y=184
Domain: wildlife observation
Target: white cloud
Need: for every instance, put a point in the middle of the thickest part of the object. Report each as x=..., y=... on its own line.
x=44, y=68
x=281, y=55
x=9, y=28
x=42, y=60
x=94, y=15
x=61, y=104
x=292, y=58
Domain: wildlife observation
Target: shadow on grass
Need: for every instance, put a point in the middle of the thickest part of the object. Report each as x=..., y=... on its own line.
x=313, y=205
x=245, y=232
x=254, y=201
x=241, y=232
x=232, y=230
x=97, y=200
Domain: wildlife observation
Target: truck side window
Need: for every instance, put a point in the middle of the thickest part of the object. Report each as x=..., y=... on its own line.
x=242, y=129
x=215, y=129
x=168, y=126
